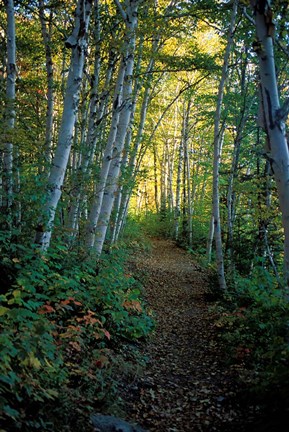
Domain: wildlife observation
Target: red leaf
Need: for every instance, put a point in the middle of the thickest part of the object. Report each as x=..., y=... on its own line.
x=46, y=309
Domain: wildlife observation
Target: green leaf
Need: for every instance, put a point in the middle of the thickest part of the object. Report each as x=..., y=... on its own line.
x=3, y=310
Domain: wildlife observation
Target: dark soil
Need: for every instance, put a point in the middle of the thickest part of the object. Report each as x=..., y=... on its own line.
x=188, y=384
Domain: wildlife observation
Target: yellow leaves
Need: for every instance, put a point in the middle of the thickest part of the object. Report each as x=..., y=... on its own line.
x=16, y=297
x=207, y=39
x=3, y=310
x=16, y=260
x=31, y=361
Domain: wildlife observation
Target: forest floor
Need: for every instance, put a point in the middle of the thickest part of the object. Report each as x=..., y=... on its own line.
x=187, y=384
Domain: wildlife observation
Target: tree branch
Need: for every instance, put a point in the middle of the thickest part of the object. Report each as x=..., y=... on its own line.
x=251, y=19
x=282, y=113
x=121, y=10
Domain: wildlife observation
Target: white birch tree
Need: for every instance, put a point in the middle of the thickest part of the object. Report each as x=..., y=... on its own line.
x=77, y=41
x=120, y=119
x=217, y=152
x=274, y=115
x=130, y=17
x=46, y=36
x=9, y=119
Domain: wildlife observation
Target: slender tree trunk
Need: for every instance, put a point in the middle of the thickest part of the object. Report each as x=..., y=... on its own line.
x=106, y=160
x=190, y=202
x=231, y=195
x=92, y=126
x=178, y=188
x=46, y=36
x=188, y=176
x=9, y=119
x=130, y=15
x=163, y=185
x=131, y=170
x=120, y=119
x=217, y=153
x=132, y=163
x=77, y=41
x=274, y=116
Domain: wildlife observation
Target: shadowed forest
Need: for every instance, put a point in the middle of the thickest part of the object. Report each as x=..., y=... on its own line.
x=144, y=225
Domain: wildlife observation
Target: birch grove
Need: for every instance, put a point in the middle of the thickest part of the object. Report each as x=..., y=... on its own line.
x=128, y=121
x=77, y=42
x=104, y=200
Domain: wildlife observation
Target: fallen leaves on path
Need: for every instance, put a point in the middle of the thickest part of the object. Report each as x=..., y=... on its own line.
x=187, y=386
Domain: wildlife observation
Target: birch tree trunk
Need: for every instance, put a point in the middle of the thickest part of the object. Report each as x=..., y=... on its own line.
x=46, y=36
x=231, y=195
x=9, y=119
x=130, y=17
x=106, y=160
x=95, y=113
x=217, y=153
x=274, y=115
x=132, y=171
x=77, y=41
x=188, y=176
x=178, y=189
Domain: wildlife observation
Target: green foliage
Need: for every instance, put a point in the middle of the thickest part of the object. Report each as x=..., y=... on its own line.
x=134, y=236
x=254, y=322
x=155, y=224
x=61, y=322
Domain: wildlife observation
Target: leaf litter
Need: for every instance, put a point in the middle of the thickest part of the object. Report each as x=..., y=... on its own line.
x=188, y=384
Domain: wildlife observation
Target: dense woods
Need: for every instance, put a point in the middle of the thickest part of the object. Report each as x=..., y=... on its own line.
x=122, y=120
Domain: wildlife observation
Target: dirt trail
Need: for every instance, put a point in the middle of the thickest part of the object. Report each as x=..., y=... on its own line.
x=187, y=386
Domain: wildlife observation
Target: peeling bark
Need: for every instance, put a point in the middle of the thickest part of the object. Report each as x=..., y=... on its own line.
x=78, y=43
x=274, y=116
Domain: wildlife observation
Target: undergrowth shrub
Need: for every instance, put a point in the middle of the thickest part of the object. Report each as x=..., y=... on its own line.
x=134, y=236
x=254, y=319
x=157, y=224
x=61, y=323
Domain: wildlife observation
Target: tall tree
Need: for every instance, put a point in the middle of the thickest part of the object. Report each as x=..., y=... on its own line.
x=77, y=41
x=274, y=115
x=106, y=188
x=9, y=119
x=129, y=14
x=217, y=151
x=46, y=30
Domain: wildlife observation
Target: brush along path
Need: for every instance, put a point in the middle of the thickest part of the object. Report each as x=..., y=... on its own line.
x=186, y=386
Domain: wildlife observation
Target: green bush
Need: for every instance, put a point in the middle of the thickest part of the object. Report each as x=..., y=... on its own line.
x=254, y=320
x=156, y=224
x=61, y=322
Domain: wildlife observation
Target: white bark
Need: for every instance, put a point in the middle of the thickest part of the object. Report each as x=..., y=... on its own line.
x=210, y=239
x=46, y=36
x=77, y=41
x=178, y=190
x=105, y=194
x=9, y=111
x=132, y=164
x=190, y=198
x=95, y=113
x=124, y=118
x=188, y=176
x=217, y=153
x=106, y=160
x=273, y=117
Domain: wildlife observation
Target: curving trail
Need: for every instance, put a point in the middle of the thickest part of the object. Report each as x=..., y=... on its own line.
x=187, y=385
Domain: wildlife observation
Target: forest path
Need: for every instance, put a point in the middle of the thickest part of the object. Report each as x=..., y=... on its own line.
x=186, y=385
